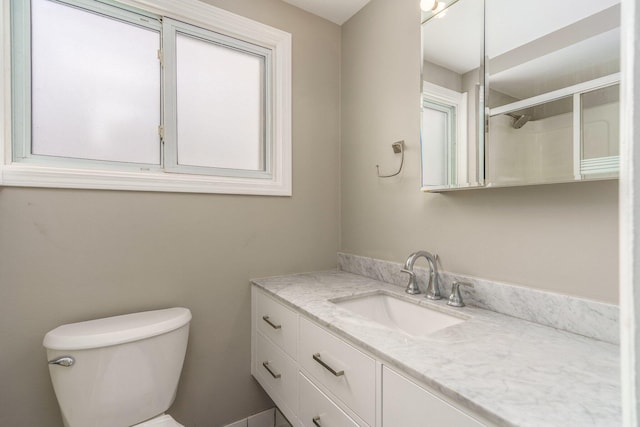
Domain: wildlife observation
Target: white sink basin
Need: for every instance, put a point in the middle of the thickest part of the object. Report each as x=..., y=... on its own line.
x=399, y=314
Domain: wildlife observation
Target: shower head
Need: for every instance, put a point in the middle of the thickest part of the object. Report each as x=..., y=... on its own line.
x=519, y=120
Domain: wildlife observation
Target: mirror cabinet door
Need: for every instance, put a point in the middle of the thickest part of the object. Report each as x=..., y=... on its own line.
x=552, y=91
x=452, y=135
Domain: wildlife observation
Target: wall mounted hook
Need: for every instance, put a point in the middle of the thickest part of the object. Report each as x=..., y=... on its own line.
x=398, y=148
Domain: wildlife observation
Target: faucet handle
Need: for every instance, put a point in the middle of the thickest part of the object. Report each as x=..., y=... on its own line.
x=412, y=286
x=455, y=299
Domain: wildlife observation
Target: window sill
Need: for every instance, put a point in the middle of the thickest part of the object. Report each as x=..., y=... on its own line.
x=15, y=175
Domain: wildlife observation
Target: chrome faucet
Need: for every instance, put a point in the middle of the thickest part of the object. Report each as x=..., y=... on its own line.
x=433, y=290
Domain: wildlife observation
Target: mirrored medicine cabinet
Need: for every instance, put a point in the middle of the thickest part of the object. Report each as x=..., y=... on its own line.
x=519, y=93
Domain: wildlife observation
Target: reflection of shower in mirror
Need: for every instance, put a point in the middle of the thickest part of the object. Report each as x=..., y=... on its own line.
x=519, y=120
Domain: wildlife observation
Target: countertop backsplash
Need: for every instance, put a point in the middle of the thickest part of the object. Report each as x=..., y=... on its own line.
x=585, y=317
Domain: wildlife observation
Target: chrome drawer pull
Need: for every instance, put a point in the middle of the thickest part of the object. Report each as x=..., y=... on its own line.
x=317, y=358
x=273, y=374
x=273, y=325
x=316, y=421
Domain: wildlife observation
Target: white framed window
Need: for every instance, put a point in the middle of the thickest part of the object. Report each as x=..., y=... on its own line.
x=144, y=95
x=444, y=136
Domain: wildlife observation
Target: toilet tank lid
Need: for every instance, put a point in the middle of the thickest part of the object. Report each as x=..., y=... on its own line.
x=116, y=330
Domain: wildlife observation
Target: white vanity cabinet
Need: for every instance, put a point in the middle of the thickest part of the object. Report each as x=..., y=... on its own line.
x=318, y=379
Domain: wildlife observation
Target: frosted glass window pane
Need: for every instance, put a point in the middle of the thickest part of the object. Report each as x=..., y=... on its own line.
x=220, y=98
x=95, y=86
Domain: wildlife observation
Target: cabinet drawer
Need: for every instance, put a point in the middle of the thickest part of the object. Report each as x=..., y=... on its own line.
x=317, y=410
x=277, y=322
x=277, y=373
x=353, y=376
x=405, y=403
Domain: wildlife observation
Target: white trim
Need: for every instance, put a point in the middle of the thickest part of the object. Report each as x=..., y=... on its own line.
x=31, y=176
x=556, y=94
x=577, y=136
x=441, y=92
x=630, y=213
x=462, y=161
x=196, y=13
x=212, y=18
x=5, y=86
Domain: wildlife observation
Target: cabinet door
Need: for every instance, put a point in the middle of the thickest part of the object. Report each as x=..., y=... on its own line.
x=317, y=410
x=404, y=403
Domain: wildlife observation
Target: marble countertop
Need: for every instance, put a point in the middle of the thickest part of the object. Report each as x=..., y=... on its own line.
x=510, y=371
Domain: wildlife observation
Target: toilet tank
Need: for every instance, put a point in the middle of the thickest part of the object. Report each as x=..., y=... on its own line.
x=126, y=368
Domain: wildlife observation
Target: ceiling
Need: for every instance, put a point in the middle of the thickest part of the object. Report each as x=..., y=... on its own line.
x=336, y=11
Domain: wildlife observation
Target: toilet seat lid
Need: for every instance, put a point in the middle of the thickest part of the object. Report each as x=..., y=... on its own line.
x=161, y=421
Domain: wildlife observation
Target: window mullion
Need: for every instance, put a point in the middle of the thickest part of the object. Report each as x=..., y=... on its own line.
x=169, y=101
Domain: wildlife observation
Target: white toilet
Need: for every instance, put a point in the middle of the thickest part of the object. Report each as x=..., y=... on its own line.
x=120, y=371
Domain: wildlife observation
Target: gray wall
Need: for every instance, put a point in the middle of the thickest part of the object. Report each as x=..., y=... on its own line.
x=72, y=255
x=562, y=238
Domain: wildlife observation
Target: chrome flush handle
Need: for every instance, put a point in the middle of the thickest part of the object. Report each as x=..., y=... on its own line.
x=66, y=361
